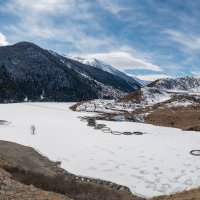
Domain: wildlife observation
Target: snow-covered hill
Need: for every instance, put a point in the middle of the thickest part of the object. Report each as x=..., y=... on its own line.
x=178, y=85
x=166, y=89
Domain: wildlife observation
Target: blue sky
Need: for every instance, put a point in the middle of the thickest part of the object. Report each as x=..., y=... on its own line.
x=147, y=38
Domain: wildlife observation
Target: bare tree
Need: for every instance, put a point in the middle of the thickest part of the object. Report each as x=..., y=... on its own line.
x=33, y=129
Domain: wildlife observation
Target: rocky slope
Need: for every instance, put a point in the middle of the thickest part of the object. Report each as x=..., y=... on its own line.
x=22, y=166
x=11, y=189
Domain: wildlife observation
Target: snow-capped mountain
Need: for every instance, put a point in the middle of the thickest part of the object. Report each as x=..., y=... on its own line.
x=97, y=63
x=120, y=83
x=161, y=90
x=30, y=73
x=108, y=68
x=178, y=85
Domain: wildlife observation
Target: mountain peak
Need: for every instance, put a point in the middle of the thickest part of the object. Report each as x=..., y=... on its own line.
x=24, y=43
x=107, y=68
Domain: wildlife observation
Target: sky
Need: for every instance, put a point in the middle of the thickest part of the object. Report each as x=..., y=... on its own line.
x=149, y=39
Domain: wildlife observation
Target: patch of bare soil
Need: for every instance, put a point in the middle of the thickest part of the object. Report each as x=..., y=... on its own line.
x=185, y=118
x=27, y=167
x=28, y=158
x=193, y=194
x=134, y=97
x=74, y=107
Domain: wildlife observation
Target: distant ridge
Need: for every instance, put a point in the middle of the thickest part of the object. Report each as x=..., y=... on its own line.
x=166, y=89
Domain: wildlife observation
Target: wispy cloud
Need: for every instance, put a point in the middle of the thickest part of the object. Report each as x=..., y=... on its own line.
x=56, y=20
x=152, y=77
x=50, y=6
x=3, y=40
x=168, y=32
x=112, y=6
x=189, y=41
x=123, y=60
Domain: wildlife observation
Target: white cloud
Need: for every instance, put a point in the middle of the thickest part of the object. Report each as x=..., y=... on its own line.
x=37, y=21
x=124, y=60
x=39, y=6
x=151, y=77
x=60, y=22
x=190, y=42
x=3, y=40
x=111, y=6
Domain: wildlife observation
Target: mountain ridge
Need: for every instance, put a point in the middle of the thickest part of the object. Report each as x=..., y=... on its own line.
x=35, y=74
x=165, y=89
x=106, y=67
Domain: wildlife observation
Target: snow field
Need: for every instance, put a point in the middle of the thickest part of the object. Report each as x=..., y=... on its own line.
x=152, y=164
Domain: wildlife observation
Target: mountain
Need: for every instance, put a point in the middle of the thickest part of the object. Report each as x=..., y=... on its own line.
x=30, y=73
x=184, y=89
x=142, y=82
x=159, y=102
x=109, y=82
x=134, y=82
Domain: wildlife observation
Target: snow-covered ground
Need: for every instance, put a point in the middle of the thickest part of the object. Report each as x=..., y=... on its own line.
x=155, y=163
x=107, y=106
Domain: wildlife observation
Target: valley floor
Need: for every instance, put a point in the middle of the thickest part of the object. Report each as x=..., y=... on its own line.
x=152, y=164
